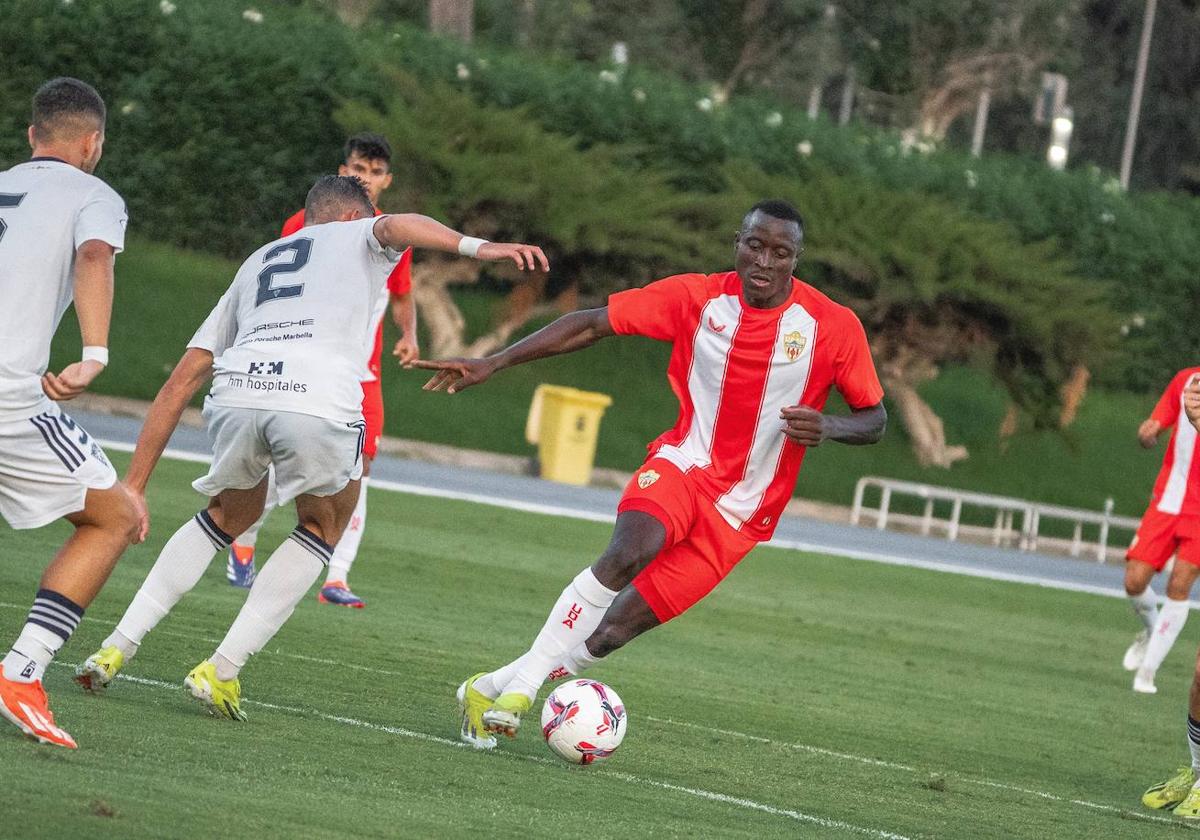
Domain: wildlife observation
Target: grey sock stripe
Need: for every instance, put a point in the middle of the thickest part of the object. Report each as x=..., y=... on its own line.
x=319, y=548
x=216, y=536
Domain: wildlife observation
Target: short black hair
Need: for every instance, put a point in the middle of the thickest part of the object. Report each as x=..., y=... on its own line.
x=64, y=107
x=332, y=195
x=776, y=208
x=369, y=146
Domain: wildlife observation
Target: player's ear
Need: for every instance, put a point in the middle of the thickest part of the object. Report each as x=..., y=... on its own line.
x=343, y=169
x=31, y=135
x=387, y=182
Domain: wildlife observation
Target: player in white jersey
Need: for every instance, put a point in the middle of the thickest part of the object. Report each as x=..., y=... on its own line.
x=284, y=349
x=60, y=227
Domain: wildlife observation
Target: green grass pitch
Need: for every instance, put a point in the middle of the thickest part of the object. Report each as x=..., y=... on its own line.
x=809, y=696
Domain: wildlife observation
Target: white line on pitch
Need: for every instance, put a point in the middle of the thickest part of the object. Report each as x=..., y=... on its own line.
x=712, y=796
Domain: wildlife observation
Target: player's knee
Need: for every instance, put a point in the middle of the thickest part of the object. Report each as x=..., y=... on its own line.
x=1135, y=580
x=1179, y=587
x=124, y=520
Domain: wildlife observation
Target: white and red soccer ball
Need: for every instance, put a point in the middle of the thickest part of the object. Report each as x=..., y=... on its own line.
x=584, y=721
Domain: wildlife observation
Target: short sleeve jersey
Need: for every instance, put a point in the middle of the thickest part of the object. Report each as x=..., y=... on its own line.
x=48, y=208
x=1177, y=489
x=733, y=368
x=399, y=283
x=287, y=335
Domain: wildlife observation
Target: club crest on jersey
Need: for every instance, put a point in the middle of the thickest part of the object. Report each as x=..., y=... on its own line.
x=647, y=478
x=793, y=345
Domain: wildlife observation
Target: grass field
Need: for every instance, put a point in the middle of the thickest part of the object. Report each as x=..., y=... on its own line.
x=1097, y=458
x=809, y=696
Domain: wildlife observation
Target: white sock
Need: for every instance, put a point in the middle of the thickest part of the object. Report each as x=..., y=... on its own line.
x=51, y=621
x=280, y=585
x=347, y=547
x=178, y=568
x=1171, y=619
x=575, y=662
x=1145, y=605
x=493, y=683
x=575, y=616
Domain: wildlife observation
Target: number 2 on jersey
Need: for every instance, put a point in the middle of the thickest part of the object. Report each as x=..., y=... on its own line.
x=8, y=200
x=300, y=249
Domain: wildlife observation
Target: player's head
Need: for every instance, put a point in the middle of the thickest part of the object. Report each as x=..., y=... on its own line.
x=68, y=122
x=368, y=157
x=767, y=246
x=337, y=198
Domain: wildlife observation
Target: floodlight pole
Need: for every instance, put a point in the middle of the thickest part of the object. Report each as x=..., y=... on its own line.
x=1135, y=103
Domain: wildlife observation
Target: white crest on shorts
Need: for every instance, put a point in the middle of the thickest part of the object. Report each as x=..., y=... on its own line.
x=647, y=478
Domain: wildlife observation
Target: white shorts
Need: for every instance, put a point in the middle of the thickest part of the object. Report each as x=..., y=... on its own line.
x=47, y=465
x=311, y=455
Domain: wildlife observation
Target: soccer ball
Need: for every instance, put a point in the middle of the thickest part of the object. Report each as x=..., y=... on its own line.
x=584, y=721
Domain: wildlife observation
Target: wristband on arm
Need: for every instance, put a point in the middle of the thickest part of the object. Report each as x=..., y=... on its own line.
x=95, y=353
x=469, y=246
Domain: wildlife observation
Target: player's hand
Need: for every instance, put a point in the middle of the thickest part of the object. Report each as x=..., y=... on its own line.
x=143, y=512
x=527, y=257
x=1148, y=433
x=407, y=351
x=72, y=382
x=804, y=425
x=454, y=375
x=1191, y=402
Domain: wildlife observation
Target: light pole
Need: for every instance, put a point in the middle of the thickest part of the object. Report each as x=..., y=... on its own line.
x=1135, y=103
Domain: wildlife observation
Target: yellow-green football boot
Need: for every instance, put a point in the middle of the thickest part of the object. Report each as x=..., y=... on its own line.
x=99, y=669
x=1189, y=808
x=221, y=698
x=503, y=717
x=473, y=704
x=1173, y=791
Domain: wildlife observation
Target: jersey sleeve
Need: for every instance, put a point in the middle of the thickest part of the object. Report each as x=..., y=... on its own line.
x=375, y=248
x=1166, y=412
x=658, y=310
x=293, y=223
x=400, y=280
x=102, y=217
x=219, y=330
x=854, y=370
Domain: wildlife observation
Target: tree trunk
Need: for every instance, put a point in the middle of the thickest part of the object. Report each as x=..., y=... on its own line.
x=927, y=434
x=442, y=317
x=453, y=17
x=1072, y=392
x=354, y=12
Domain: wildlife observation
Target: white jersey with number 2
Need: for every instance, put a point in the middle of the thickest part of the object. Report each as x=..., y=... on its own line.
x=287, y=335
x=48, y=208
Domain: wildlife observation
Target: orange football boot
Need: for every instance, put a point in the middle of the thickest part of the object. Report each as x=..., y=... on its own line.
x=27, y=707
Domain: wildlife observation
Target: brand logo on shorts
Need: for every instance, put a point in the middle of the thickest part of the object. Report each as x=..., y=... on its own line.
x=793, y=345
x=647, y=478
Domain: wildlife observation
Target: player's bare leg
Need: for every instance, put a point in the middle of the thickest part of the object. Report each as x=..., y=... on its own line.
x=103, y=529
x=179, y=567
x=239, y=566
x=336, y=589
x=285, y=577
x=1141, y=595
x=1171, y=618
x=637, y=539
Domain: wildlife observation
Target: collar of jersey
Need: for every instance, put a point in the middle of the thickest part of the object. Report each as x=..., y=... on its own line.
x=45, y=158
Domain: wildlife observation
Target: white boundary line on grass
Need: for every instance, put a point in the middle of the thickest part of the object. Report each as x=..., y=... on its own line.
x=712, y=796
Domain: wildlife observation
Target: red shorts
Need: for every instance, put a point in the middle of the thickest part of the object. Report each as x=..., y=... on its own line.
x=1162, y=534
x=372, y=409
x=701, y=547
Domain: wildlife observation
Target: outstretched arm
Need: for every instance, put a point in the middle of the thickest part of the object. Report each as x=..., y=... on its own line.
x=404, y=230
x=193, y=370
x=809, y=427
x=569, y=333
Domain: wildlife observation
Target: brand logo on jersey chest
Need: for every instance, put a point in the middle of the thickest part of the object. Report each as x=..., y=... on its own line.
x=793, y=345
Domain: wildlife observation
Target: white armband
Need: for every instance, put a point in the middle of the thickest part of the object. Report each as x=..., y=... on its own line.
x=95, y=353
x=469, y=246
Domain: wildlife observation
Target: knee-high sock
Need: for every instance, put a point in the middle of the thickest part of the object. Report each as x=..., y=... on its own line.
x=1171, y=619
x=287, y=575
x=51, y=621
x=347, y=548
x=575, y=662
x=575, y=616
x=1145, y=605
x=179, y=567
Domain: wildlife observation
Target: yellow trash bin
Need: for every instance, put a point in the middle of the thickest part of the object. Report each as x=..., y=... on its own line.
x=564, y=423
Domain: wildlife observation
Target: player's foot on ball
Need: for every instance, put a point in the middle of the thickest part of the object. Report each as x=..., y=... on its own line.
x=1170, y=793
x=25, y=705
x=1189, y=808
x=1136, y=651
x=221, y=698
x=503, y=717
x=239, y=568
x=1143, y=682
x=99, y=669
x=473, y=704
x=339, y=593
